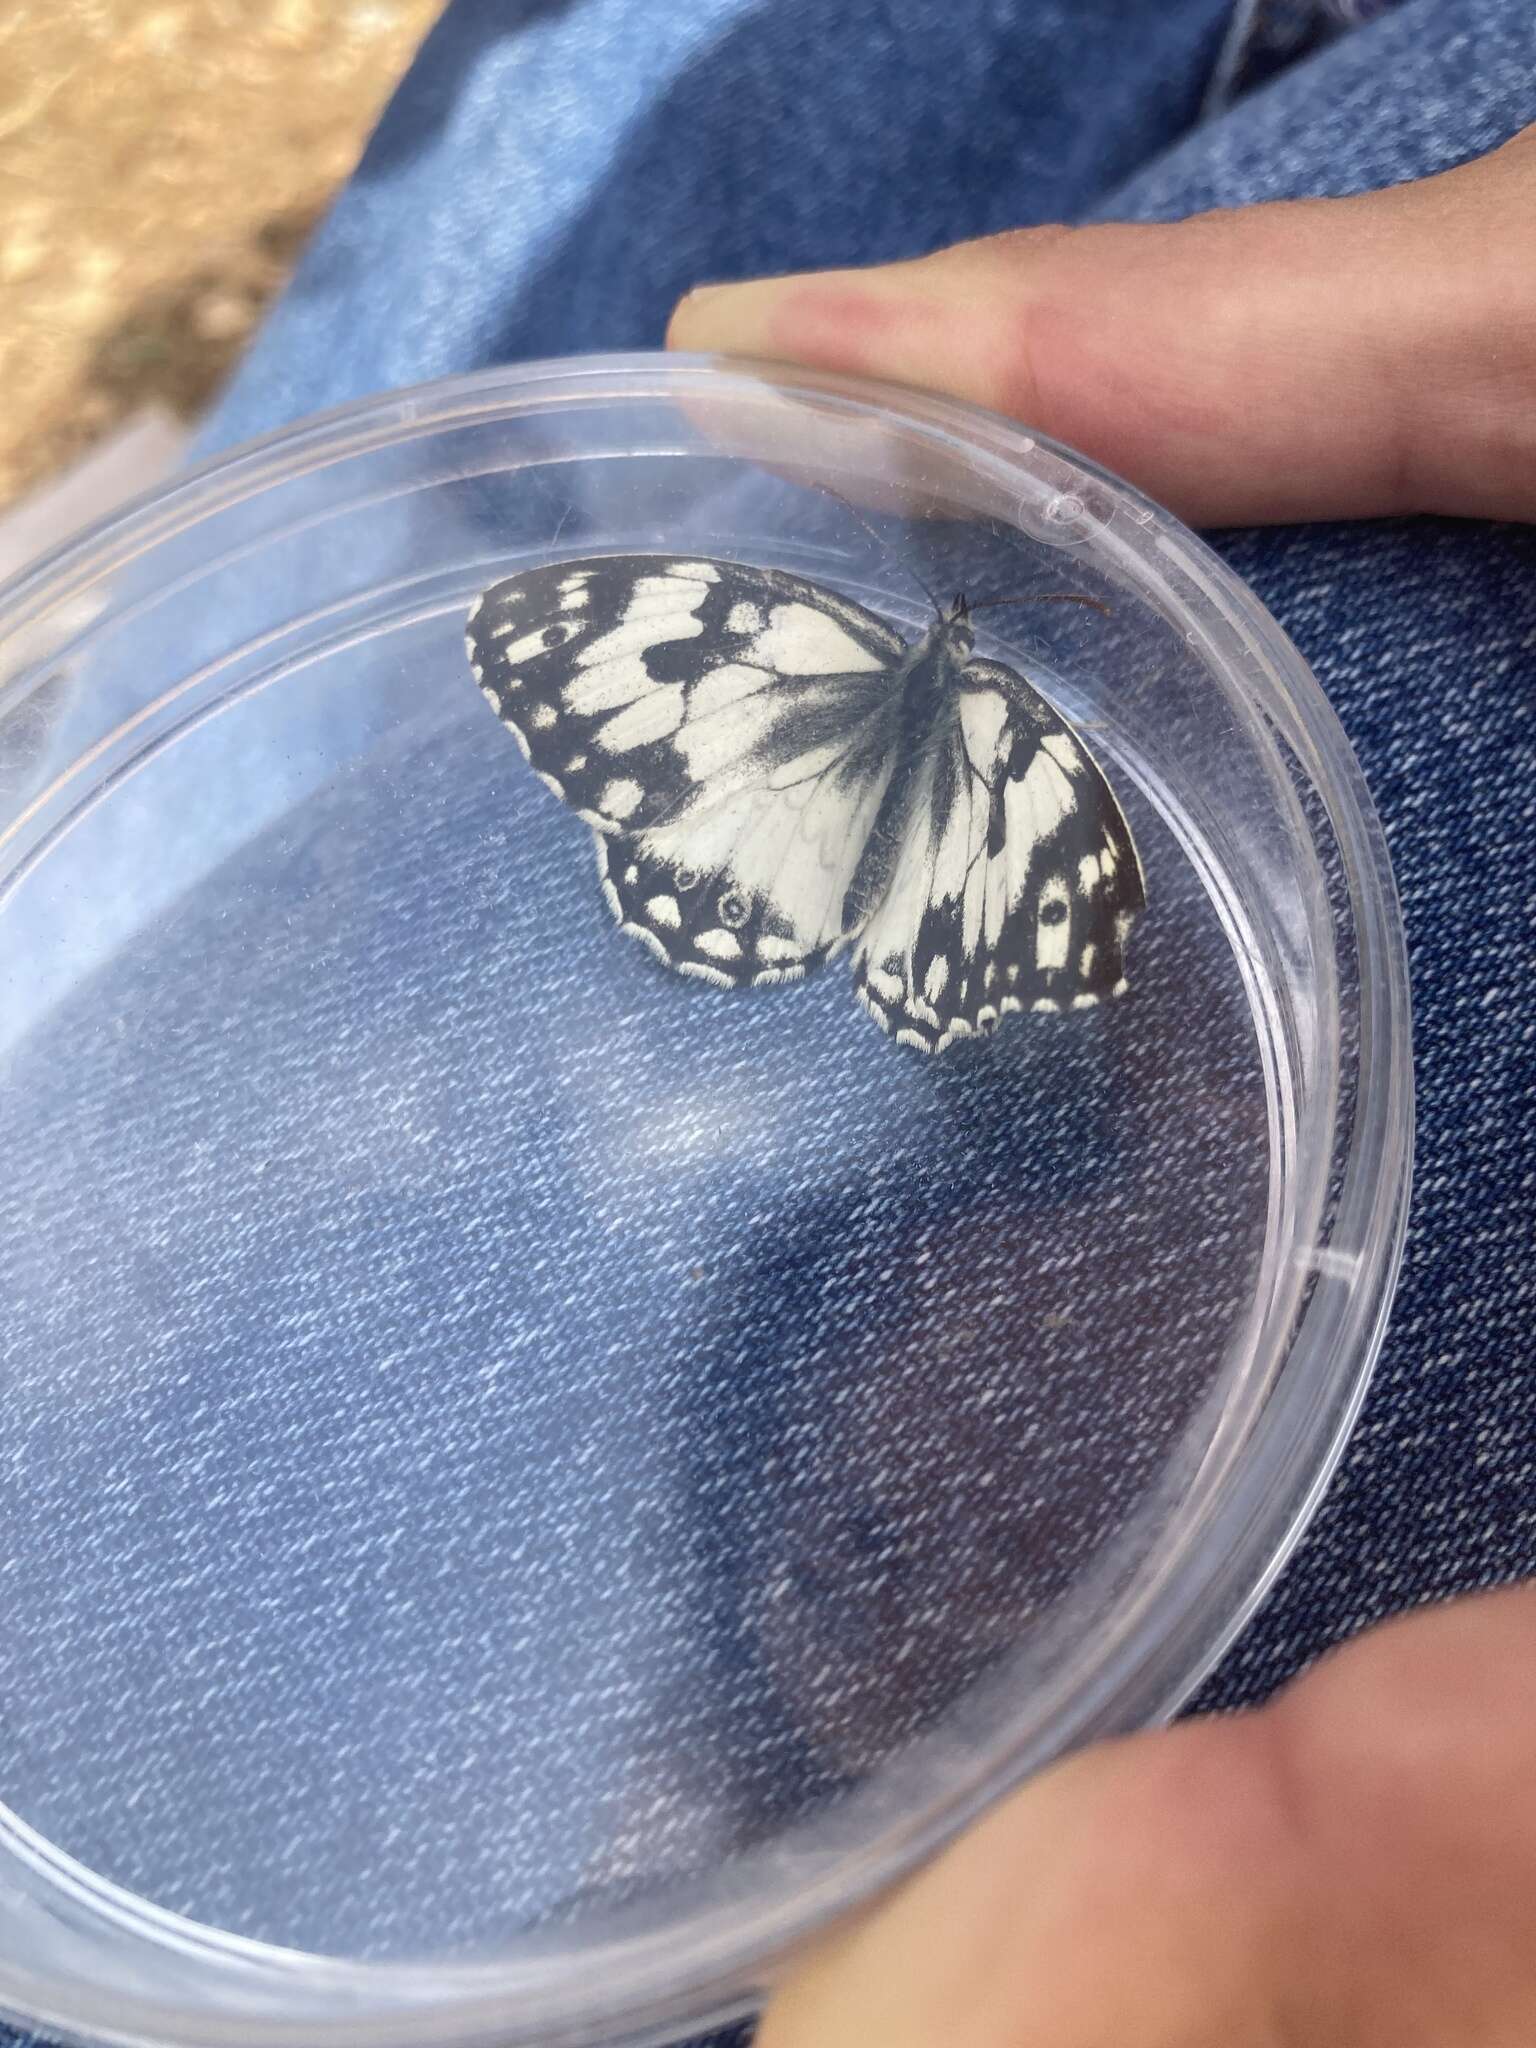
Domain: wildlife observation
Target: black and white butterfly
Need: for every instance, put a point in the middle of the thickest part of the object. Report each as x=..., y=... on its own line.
x=773, y=773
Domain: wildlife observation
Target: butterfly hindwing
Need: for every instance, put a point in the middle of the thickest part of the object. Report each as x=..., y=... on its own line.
x=754, y=886
x=1016, y=882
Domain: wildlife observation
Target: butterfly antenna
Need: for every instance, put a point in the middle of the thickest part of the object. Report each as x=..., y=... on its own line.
x=987, y=604
x=886, y=550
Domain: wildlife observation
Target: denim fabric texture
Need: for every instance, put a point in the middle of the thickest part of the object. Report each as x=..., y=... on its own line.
x=730, y=143
x=549, y=179
x=553, y=177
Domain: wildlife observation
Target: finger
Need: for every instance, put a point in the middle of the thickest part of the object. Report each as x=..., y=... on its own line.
x=1108, y=1903
x=1296, y=360
x=1353, y=1867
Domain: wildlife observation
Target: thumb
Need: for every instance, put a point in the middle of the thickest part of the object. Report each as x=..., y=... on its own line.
x=1305, y=359
x=1353, y=1866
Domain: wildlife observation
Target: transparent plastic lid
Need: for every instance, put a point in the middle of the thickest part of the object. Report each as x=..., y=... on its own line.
x=533, y=1481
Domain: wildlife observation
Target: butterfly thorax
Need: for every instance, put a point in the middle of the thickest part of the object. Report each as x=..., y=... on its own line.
x=928, y=679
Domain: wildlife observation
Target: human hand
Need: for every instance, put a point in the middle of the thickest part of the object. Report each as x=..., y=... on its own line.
x=1353, y=1866
x=1308, y=359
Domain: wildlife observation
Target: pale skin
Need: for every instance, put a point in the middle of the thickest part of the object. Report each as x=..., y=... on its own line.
x=1353, y=1865
x=1307, y=359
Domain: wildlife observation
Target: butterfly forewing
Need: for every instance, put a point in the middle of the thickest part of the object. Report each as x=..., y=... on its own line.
x=727, y=732
x=1017, y=882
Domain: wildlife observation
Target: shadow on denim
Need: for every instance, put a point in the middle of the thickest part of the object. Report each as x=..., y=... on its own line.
x=454, y=45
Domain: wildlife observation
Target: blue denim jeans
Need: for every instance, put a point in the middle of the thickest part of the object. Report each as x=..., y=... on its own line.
x=552, y=175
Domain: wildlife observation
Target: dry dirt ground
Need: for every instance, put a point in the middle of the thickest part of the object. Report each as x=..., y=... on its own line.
x=161, y=162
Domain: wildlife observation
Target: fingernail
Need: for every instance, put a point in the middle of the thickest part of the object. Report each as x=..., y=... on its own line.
x=700, y=295
x=708, y=316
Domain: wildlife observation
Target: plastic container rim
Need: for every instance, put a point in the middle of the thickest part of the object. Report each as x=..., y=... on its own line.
x=701, y=1970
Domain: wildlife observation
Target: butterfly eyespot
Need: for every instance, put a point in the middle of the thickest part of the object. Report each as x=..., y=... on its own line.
x=1053, y=913
x=558, y=634
x=686, y=878
x=734, y=909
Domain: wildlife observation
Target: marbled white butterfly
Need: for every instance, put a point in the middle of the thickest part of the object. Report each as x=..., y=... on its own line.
x=772, y=773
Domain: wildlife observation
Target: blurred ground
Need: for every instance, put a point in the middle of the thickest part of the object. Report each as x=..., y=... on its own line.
x=161, y=162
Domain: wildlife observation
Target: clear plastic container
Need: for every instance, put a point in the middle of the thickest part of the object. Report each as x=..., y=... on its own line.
x=532, y=1485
